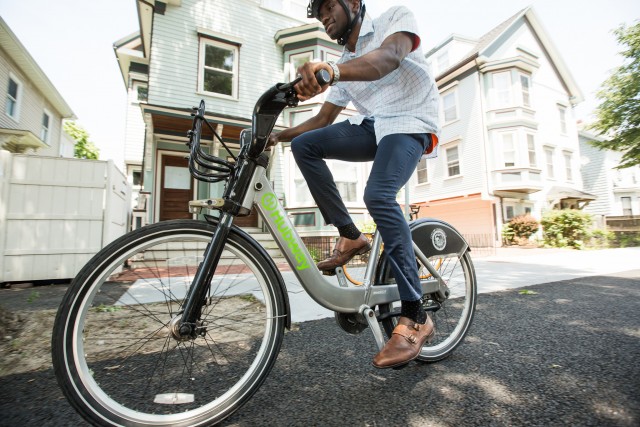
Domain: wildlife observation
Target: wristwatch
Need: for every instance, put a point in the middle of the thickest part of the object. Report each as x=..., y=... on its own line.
x=336, y=73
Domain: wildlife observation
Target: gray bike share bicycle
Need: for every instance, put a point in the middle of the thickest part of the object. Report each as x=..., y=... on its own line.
x=178, y=323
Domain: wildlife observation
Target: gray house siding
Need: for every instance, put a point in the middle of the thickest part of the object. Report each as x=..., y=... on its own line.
x=32, y=105
x=173, y=73
x=596, y=177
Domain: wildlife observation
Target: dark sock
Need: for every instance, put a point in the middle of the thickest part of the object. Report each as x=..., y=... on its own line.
x=350, y=231
x=414, y=311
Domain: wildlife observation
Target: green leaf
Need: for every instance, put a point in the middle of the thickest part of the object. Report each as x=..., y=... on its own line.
x=527, y=292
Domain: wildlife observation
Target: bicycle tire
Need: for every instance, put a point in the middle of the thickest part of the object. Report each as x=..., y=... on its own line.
x=452, y=318
x=113, y=352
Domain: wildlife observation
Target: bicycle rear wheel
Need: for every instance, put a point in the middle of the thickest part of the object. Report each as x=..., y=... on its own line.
x=114, y=352
x=453, y=316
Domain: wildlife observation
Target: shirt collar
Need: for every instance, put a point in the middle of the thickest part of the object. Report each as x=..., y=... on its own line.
x=366, y=27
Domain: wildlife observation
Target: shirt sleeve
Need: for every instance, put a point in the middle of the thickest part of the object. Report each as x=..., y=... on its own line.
x=338, y=96
x=401, y=19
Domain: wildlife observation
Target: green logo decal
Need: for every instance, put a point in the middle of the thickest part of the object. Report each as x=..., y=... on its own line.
x=270, y=203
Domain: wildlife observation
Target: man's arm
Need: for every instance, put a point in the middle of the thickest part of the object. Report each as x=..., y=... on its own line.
x=327, y=115
x=372, y=66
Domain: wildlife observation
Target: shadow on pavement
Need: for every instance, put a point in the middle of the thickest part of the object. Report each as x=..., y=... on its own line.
x=564, y=355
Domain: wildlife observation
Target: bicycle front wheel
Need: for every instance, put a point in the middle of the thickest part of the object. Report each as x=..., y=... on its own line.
x=115, y=355
x=451, y=317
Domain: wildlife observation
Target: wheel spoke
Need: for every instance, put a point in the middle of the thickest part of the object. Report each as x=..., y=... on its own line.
x=122, y=306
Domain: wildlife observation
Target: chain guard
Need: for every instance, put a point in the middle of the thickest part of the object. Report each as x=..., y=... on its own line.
x=352, y=323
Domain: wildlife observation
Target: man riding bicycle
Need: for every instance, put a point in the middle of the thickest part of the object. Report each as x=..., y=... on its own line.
x=383, y=72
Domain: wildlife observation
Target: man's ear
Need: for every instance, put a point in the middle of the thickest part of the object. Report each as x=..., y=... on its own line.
x=355, y=6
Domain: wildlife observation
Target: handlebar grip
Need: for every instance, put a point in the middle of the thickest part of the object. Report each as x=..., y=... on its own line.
x=323, y=77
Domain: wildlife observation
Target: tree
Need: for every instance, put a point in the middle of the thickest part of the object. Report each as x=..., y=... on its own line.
x=618, y=115
x=84, y=149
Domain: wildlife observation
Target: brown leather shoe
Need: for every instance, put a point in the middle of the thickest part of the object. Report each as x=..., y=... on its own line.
x=405, y=343
x=345, y=250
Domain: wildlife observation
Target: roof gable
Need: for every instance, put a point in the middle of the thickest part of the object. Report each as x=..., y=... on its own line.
x=19, y=54
x=490, y=41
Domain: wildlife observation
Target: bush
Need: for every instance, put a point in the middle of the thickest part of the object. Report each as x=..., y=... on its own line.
x=519, y=229
x=599, y=239
x=566, y=227
x=624, y=239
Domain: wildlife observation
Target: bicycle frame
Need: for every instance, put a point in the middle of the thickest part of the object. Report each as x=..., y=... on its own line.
x=249, y=186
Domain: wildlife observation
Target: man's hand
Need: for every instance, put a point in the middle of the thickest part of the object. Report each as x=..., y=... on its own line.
x=273, y=140
x=309, y=87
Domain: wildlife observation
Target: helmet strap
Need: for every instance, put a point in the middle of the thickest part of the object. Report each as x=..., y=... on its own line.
x=342, y=40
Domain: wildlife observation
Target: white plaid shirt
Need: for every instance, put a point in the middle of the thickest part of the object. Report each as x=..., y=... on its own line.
x=405, y=100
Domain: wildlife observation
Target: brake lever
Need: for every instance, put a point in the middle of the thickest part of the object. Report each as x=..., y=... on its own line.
x=291, y=96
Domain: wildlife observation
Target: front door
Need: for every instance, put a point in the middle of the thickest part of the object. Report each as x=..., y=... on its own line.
x=176, y=189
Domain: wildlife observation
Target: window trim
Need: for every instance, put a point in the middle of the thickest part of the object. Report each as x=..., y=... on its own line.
x=47, y=138
x=562, y=112
x=450, y=92
x=294, y=214
x=18, y=100
x=534, y=150
x=228, y=45
x=514, y=146
x=568, y=165
x=290, y=56
x=424, y=161
x=522, y=92
x=496, y=101
x=446, y=160
x=134, y=88
x=547, y=165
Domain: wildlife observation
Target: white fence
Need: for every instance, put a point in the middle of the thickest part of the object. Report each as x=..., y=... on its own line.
x=56, y=213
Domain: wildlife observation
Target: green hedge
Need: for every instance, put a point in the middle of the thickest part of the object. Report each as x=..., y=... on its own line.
x=567, y=227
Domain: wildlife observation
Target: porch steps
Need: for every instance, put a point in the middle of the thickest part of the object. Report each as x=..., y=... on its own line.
x=267, y=242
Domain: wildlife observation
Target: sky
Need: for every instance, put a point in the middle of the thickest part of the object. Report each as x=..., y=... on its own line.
x=72, y=41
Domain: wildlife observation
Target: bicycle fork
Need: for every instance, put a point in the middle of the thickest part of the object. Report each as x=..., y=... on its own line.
x=185, y=326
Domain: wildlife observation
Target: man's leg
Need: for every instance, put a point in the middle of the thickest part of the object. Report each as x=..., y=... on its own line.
x=341, y=141
x=396, y=160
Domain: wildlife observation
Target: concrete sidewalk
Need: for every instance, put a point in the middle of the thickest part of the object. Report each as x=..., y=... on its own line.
x=508, y=268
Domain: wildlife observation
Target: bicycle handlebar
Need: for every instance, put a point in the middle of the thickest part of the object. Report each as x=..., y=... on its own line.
x=265, y=114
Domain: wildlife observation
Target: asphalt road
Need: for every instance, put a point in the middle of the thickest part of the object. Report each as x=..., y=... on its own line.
x=567, y=355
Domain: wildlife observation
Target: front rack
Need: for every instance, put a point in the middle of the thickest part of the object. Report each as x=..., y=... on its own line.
x=203, y=166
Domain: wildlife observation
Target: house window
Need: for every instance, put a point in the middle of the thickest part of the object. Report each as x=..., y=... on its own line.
x=296, y=61
x=562, y=111
x=502, y=89
x=450, y=106
x=46, y=123
x=12, y=106
x=142, y=93
x=345, y=176
x=567, y=165
x=508, y=149
x=626, y=206
x=453, y=161
x=525, y=85
x=423, y=172
x=301, y=190
x=509, y=212
x=548, y=154
x=307, y=219
x=531, y=148
x=218, y=68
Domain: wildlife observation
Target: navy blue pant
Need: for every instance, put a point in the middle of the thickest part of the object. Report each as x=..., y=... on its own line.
x=394, y=161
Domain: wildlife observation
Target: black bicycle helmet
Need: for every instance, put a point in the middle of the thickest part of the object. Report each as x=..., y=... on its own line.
x=313, y=12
